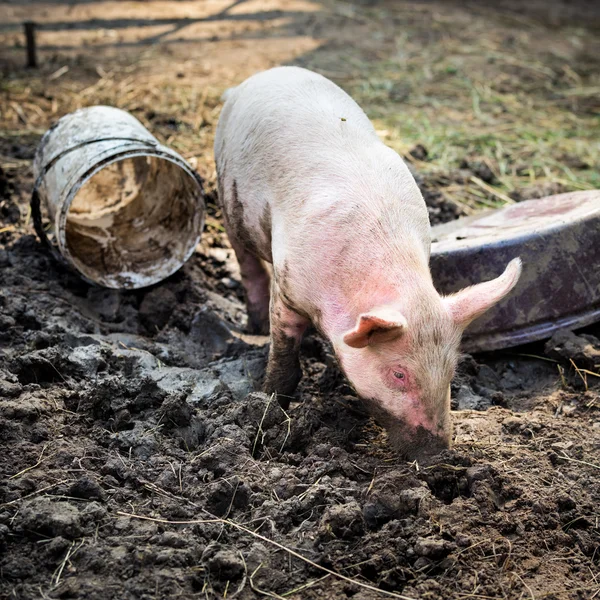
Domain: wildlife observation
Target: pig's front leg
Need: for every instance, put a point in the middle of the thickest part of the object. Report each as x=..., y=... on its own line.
x=283, y=368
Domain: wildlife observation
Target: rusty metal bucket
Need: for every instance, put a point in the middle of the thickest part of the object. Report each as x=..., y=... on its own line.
x=558, y=240
x=126, y=211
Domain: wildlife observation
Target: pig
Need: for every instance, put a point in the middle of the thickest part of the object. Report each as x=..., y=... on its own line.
x=330, y=229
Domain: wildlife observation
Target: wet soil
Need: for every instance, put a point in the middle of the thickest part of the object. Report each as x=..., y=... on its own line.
x=138, y=461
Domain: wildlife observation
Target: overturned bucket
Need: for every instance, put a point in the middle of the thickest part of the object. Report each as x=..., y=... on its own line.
x=126, y=211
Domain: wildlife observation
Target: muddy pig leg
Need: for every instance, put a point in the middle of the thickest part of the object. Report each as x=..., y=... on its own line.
x=256, y=281
x=283, y=368
x=255, y=278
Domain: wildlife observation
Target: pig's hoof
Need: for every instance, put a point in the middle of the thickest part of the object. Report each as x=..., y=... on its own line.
x=258, y=325
x=284, y=401
x=283, y=384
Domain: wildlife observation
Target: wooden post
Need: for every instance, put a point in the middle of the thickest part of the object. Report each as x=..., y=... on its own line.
x=30, y=39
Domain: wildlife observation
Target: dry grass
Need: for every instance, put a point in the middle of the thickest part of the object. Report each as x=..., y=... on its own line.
x=508, y=96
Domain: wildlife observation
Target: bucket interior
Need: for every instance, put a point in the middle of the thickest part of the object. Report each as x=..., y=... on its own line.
x=134, y=222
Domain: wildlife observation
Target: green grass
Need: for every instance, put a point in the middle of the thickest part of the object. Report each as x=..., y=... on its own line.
x=482, y=87
x=473, y=86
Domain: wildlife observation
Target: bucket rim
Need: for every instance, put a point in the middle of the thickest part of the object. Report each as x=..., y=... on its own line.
x=138, y=148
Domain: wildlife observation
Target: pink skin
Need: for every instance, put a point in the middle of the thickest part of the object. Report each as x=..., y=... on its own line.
x=306, y=185
x=399, y=380
x=399, y=356
x=404, y=373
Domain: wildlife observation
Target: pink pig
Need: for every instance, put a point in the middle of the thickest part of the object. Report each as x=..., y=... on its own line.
x=306, y=185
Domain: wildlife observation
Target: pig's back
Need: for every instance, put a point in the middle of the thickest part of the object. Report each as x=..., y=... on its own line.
x=283, y=127
x=305, y=177
x=283, y=135
x=278, y=106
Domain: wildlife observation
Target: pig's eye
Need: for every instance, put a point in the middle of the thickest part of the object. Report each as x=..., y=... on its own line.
x=398, y=378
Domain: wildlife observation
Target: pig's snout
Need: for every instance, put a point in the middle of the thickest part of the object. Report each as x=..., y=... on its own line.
x=418, y=443
x=409, y=437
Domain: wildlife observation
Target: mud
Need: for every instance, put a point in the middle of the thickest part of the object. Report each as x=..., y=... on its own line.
x=137, y=460
x=121, y=405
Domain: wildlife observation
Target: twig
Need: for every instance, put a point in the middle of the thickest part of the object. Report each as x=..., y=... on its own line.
x=291, y=552
x=237, y=485
x=260, y=430
x=491, y=190
x=578, y=370
x=588, y=372
x=59, y=73
x=561, y=372
x=581, y=462
x=35, y=493
x=310, y=487
x=157, y=490
x=306, y=585
x=257, y=589
x=37, y=464
x=534, y=356
x=525, y=585
x=288, y=420
x=70, y=552
x=243, y=582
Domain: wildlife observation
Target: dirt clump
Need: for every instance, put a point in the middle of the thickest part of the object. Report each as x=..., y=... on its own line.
x=138, y=458
x=582, y=350
x=134, y=440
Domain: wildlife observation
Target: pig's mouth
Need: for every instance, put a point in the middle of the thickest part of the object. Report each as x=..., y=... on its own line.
x=411, y=443
x=416, y=444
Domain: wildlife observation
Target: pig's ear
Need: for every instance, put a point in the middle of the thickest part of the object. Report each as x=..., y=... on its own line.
x=470, y=303
x=379, y=325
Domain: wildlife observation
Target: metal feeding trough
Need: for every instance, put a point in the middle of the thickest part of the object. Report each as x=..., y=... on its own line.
x=558, y=240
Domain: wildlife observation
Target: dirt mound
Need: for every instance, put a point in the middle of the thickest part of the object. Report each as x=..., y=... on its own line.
x=139, y=460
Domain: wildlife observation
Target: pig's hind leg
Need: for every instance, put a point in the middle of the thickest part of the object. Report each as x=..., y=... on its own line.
x=255, y=278
x=256, y=282
x=283, y=368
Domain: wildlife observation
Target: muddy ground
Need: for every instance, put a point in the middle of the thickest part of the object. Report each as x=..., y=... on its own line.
x=138, y=462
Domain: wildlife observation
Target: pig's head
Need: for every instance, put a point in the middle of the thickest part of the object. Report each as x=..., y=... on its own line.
x=401, y=360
